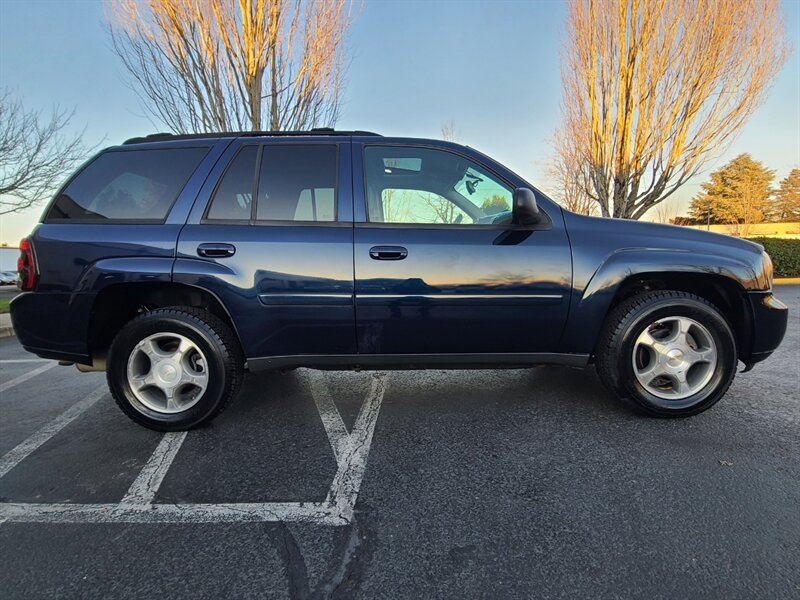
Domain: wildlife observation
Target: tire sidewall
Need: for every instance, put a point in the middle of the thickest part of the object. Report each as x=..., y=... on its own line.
x=723, y=338
x=145, y=326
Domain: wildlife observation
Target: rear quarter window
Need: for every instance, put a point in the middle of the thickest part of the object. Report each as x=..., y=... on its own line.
x=129, y=185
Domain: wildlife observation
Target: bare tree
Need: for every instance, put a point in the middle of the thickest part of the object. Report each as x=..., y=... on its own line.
x=451, y=132
x=652, y=89
x=665, y=212
x=36, y=153
x=569, y=177
x=226, y=65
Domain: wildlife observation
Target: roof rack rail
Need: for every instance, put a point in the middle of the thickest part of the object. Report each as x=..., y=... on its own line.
x=158, y=137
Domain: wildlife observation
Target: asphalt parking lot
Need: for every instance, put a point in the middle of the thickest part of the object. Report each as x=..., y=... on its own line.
x=408, y=484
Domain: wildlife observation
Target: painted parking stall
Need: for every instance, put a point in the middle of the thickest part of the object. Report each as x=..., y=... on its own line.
x=350, y=448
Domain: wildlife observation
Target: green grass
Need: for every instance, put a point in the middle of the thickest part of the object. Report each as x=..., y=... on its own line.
x=4, y=305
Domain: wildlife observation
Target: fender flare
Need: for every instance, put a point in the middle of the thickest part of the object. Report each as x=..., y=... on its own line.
x=591, y=304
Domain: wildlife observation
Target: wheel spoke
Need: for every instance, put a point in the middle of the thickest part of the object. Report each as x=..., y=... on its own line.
x=151, y=349
x=653, y=370
x=646, y=339
x=142, y=381
x=199, y=380
x=679, y=384
x=701, y=355
x=184, y=347
x=682, y=326
x=169, y=393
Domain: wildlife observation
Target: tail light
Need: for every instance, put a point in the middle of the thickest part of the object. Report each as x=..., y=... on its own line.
x=26, y=267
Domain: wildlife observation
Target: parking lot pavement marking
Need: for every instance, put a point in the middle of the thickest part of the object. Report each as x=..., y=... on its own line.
x=347, y=481
x=316, y=513
x=144, y=488
x=16, y=361
x=351, y=449
x=331, y=418
x=17, y=454
x=25, y=376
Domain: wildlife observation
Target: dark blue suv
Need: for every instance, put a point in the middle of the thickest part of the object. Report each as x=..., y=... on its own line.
x=175, y=263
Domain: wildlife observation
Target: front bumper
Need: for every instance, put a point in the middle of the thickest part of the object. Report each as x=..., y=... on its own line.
x=770, y=317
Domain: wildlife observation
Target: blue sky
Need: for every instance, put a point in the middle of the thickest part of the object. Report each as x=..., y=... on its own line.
x=492, y=67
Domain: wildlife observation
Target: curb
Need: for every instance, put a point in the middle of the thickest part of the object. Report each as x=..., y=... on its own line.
x=6, y=332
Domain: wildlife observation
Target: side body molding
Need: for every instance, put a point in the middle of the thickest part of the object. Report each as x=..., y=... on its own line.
x=590, y=303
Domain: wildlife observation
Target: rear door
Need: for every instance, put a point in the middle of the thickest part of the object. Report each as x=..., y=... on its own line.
x=440, y=269
x=271, y=235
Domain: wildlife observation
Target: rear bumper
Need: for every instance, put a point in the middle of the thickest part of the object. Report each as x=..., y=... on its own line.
x=53, y=325
x=770, y=317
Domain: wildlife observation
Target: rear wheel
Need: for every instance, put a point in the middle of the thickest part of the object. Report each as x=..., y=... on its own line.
x=174, y=368
x=672, y=354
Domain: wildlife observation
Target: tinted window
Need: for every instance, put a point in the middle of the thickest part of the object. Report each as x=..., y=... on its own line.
x=297, y=183
x=131, y=185
x=428, y=186
x=234, y=195
x=417, y=206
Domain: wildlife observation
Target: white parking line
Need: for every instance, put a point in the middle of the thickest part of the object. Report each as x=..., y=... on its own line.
x=14, y=456
x=331, y=418
x=25, y=376
x=304, y=512
x=347, y=481
x=144, y=488
x=14, y=361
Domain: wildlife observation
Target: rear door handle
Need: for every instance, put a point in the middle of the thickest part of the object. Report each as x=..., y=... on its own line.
x=388, y=252
x=216, y=250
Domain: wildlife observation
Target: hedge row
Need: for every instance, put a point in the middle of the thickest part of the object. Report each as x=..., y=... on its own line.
x=785, y=254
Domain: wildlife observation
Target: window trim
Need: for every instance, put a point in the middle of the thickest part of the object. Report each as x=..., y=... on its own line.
x=47, y=220
x=205, y=220
x=547, y=223
x=253, y=221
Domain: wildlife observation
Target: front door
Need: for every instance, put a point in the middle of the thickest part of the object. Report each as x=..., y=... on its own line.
x=439, y=266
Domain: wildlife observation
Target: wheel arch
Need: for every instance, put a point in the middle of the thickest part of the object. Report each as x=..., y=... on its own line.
x=720, y=280
x=117, y=304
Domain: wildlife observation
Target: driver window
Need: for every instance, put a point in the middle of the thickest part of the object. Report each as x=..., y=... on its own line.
x=427, y=186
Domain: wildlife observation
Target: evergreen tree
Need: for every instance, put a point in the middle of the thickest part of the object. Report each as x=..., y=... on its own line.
x=738, y=193
x=495, y=204
x=785, y=205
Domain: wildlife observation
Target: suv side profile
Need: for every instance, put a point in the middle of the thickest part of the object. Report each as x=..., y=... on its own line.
x=176, y=263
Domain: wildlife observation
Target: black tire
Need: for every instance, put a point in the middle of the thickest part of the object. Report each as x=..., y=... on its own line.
x=211, y=335
x=614, y=354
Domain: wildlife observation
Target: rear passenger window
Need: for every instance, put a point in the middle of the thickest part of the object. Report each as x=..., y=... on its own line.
x=129, y=185
x=233, y=198
x=297, y=183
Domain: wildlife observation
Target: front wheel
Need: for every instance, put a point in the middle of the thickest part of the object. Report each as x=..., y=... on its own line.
x=172, y=369
x=672, y=354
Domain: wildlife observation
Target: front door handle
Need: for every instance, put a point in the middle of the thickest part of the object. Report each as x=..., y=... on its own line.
x=388, y=252
x=216, y=250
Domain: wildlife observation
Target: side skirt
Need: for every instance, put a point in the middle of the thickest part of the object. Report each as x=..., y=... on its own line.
x=416, y=361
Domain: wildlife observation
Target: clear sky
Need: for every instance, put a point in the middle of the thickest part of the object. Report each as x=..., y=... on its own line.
x=492, y=67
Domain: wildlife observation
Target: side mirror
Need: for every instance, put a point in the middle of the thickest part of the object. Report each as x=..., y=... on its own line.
x=525, y=211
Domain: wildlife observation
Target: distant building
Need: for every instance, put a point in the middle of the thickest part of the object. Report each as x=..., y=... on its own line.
x=776, y=230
